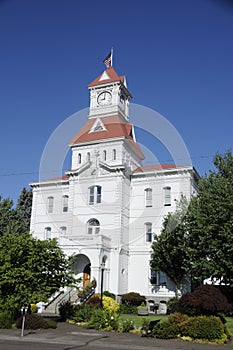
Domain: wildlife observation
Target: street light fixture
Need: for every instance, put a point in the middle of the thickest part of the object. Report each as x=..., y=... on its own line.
x=102, y=266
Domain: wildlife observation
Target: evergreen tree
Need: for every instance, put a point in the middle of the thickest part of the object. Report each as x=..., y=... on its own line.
x=10, y=220
x=24, y=206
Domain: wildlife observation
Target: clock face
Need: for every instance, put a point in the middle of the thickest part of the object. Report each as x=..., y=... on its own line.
x=104, y=98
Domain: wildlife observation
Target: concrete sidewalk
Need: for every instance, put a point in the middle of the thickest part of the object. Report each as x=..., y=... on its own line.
x=73, y=335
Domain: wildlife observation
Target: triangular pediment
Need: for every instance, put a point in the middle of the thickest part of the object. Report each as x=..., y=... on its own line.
x=104, y=76
x=97, y=126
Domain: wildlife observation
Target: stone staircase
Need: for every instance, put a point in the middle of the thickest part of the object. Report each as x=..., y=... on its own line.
x=70, y=294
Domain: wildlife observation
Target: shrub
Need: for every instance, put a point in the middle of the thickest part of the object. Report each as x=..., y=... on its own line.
x=110, y=305
x=94, y=301
x=108, y=294
x=128, y=309
x=6, y=320
x=34, y=308
x=166, y=330
x=203, y=327
x=82, y=313
x=178, y=318
x=35, y=321
x=126, y=326
x=172, y=305
x=205, y=300
x=102, y=319
x=132, y=299
x=66, y=310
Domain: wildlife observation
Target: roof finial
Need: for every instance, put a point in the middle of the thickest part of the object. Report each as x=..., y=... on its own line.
x=109, y=59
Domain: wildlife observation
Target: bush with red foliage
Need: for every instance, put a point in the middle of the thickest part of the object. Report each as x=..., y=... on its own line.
x=205, y=300
x=94, y=301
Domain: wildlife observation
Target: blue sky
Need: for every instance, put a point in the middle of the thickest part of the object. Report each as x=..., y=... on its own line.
x=177, y=56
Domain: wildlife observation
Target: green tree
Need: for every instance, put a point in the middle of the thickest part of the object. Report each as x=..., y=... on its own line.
x=24, y=206
x=169, y=248
x=10, y=220
x=210, y=224
x=31, y=270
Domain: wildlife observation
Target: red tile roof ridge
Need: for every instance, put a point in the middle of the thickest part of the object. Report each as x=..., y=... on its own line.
x=113, y=77
x=164, y=166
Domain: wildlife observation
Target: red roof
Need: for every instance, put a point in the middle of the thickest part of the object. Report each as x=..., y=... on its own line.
x=115, y=127
x=113, y=77
x=156, y=167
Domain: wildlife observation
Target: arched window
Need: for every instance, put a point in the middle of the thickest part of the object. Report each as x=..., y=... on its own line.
x=104, y=155
x=88, y=156
x=63, y=230
x=148, y=197
x=114, y=154
x=47, y=232
x=148, y=229
x=167, y=195
x=95, y=194
x=93, y=226
x=65, y=203
x=50, y=201
x=79, y=158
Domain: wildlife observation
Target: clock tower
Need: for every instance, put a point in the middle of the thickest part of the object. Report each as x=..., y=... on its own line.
x=109, y=95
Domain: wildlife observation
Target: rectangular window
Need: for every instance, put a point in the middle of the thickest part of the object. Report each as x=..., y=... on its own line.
x=148, y=197
x=158, y=278
x=50, y=204
x=65, y=204
x=47, y=232
x=95, y=193
x=167, y=196
x=91, y=194
x=148, y=227
x=98, y=199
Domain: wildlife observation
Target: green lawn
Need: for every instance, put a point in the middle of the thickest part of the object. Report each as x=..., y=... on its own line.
x=230, y=324
x=138, y=320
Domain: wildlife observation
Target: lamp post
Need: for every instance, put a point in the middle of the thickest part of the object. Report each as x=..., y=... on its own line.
x=101, y=284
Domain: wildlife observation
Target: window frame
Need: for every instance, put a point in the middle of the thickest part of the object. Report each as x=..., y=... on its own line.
x=65, y=203
x=167, y=196
x=50, y=204
x=148, y=232
x=93, y=226
x=148, y=197
x=94, y=194
x=47, y=233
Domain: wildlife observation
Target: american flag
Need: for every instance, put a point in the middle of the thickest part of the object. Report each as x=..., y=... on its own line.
x=108, y=60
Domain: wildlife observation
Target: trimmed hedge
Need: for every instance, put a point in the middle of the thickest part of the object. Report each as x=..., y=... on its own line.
x=203, y=327
x=35, y=321
x=132, y=298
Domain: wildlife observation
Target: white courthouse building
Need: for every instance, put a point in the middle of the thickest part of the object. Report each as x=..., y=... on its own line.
x=107, y=207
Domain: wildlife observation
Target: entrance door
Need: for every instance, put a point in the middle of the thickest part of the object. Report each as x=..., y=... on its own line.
x=86, y=274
